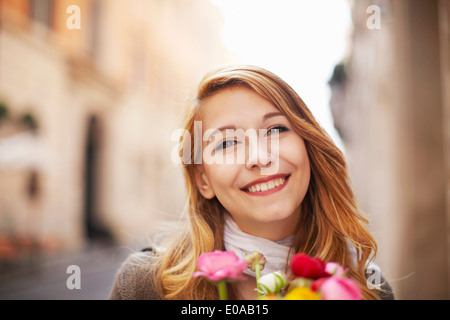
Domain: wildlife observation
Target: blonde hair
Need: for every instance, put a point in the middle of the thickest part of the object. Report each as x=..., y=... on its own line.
x=330, y=219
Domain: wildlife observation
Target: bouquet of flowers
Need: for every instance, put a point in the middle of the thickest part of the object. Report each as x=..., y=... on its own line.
x=311, y=278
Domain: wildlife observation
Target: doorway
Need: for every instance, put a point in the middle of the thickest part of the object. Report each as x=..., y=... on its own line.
x=95, y=229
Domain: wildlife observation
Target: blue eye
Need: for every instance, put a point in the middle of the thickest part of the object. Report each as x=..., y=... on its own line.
x=225, y=144
x=276, y=130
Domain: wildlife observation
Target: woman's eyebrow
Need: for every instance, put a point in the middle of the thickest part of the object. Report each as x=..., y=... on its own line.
x=218, y=130
x=265, y=118
x=272, y=114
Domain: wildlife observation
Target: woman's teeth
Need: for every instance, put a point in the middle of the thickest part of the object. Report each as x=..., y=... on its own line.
x=267, y=185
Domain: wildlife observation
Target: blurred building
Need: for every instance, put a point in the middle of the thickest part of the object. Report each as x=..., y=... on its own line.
x=391, y=104
x=87, y=108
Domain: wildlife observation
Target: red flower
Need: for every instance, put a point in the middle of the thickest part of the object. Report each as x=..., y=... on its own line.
x=305, y=266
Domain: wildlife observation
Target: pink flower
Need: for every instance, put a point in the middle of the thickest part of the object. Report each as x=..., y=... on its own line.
x=335, y=288
x=220, y=265
x=335, y=269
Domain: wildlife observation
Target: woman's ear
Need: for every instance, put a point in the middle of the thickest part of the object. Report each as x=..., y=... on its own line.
x=203, y=184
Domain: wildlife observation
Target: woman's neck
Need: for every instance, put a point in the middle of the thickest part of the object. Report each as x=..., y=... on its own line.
x=273, y=231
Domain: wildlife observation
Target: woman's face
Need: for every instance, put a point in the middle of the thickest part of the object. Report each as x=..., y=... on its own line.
x=264, y=188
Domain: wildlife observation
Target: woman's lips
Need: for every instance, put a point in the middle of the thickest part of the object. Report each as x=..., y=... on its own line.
x=266, y=186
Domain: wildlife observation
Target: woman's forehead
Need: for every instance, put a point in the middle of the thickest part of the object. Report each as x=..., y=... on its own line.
x=236, y=104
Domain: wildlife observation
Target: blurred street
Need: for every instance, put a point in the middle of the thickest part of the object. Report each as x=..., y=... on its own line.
x=98, y=265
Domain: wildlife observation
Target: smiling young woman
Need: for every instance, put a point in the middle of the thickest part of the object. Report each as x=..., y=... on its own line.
x=306, y=206
x=256, y=204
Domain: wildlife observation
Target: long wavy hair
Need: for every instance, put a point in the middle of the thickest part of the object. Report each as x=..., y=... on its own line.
x=331, y=226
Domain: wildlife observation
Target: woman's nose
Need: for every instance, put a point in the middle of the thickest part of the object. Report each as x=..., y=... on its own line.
x=258, y=154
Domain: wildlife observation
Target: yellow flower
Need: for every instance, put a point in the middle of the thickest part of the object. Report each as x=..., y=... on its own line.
x=302, y=293
x=269, y=297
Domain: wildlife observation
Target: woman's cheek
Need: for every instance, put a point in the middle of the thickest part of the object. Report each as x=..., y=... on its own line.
x=293, y=149
x=222, y=175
